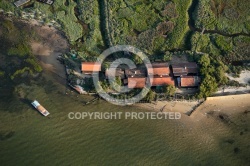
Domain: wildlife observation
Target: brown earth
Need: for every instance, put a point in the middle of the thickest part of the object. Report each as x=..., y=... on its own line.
x=50, y=45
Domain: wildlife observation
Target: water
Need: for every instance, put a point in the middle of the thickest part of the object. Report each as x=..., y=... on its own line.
x=27, y=138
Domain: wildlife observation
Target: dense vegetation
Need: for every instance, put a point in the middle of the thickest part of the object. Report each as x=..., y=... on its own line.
x=213, y=74
x=89, y=16
x=163, y=26
x=228, y=16
x=15, y=52
x=62, y=11
x=157, y=27
x=153, y=26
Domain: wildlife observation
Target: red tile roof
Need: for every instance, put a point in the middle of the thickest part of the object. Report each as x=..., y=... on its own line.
x=91, y=67
x=158, y=69
x=136, y=82
x=159, y=81
x=190, y=81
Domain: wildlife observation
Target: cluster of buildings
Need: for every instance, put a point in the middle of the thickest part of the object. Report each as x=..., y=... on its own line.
x=22, y=2
x=181, y=75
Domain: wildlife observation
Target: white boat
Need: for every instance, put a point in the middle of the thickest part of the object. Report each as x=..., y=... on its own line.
x=40, y=108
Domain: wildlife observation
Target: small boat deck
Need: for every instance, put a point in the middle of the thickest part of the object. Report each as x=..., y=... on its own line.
x=40, y=108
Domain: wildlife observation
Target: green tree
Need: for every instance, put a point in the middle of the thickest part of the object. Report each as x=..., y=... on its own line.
x=167, y=56
x=150, y=96
x=170, y=90
x=207, y=87
x=204, y=61
x=137, y=59
x=104, y=85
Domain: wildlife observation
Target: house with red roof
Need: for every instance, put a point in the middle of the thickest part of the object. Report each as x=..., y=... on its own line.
x=90, y=67
x=161, y=81
x=189, y=81
x=159, y=74
x=136, y=82
x=135, y=78
x=158, y=69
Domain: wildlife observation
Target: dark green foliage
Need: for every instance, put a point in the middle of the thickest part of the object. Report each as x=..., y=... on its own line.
x=150, y=96
x=34, y=64
x=169, y=90
x=228, y=16
x=89, y=85
x=20, y=50
x=20, y=72
x=208, y=87
x=89, y=15
x=105, y=85
x=181, y=24
x=137, y=59
x=213, y=75
x=7, y=6
x=146, y=25
x=224, y=43
x=16, y=51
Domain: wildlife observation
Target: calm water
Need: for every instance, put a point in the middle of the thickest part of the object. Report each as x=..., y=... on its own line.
x=27, y=138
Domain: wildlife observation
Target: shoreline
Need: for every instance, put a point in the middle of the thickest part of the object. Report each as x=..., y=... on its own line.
x=231, y=104
x=55, y=44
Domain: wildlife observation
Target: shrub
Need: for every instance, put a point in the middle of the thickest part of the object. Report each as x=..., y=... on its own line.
x=223, y=15
x=20, y=50
x=213, y=75
x=19, y=72
x=7, y=6
x=150, y=96
x=224, y=43
x=34, y=64
x=2, y=73
x=170, y=90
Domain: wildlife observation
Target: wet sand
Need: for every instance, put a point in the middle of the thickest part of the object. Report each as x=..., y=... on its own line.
x=167, y=106
x=231, y=105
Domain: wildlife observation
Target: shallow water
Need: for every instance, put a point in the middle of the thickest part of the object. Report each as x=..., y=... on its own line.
x=27, y=138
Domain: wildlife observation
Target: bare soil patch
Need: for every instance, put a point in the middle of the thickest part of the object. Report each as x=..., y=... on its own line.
x=50, y=45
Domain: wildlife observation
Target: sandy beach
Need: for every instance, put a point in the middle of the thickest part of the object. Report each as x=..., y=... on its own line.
x=231, y=104
x=170, y=106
